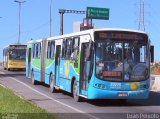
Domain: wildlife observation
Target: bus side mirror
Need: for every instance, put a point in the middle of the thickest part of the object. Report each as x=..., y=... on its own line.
x=152, y=53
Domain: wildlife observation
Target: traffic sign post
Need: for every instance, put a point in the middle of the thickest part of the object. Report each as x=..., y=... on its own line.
x=97, y=13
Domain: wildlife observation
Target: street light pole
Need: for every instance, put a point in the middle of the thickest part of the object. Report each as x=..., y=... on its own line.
x=19, y=2
x=51, y=18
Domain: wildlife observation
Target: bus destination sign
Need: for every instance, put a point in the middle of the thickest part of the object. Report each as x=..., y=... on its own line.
x=114, y=35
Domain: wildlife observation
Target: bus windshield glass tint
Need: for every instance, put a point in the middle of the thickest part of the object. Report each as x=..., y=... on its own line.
x=17, y=54
x=121, y=56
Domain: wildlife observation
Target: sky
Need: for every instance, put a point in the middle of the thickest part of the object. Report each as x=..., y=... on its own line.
x=35, y=19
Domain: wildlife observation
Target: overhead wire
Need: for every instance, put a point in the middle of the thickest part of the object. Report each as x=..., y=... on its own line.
x=37, y=28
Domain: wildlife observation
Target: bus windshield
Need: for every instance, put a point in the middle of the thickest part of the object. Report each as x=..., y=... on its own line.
x=122, y=58
x=17, y=54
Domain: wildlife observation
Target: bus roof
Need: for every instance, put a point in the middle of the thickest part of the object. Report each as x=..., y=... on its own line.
x=121, y=29
x=32, y=41
x=86, y=32
x=93, y=30
x=14, y=45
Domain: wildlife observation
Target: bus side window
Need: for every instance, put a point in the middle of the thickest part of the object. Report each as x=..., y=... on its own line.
x=39, y=50
x=48, y=50
x=64, y=49
x=33, y=51
x=68, y=49
x=7, y=55
x=75, y=49
x=52, y=49
x=36, y=50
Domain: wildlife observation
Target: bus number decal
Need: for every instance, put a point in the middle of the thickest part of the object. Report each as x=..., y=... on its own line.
x=115, y=85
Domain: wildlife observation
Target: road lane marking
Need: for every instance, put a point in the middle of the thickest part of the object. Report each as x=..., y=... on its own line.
x=75, y=109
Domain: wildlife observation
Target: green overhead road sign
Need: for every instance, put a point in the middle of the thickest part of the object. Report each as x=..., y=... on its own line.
x=97, y=13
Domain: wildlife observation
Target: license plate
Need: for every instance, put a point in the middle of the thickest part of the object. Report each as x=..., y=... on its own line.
x=122, y=94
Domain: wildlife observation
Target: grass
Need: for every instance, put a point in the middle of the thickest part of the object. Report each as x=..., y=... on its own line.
x=12, y=105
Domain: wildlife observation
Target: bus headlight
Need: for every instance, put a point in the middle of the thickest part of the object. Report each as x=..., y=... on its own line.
x=100, y=86
x=144, y=86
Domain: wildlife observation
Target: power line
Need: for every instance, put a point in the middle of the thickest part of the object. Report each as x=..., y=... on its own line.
x=37, y=28
x=28, y=31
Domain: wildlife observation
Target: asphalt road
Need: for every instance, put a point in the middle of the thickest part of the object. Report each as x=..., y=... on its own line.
x=63, y=105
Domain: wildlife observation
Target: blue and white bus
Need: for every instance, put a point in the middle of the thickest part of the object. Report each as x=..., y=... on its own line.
x=93, y=64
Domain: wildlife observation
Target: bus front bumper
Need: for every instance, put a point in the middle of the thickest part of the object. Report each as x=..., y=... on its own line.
x=16, y=65
x=95, y=93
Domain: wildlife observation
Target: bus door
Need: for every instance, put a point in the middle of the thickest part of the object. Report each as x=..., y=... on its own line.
x=85, y=68
x=57, y=64
x=29, y=62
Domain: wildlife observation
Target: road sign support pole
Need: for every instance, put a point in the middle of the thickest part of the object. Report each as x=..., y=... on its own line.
x=61, y=24
x=62, y=11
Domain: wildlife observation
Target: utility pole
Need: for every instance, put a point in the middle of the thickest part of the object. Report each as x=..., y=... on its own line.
x=141, y=25
x=62, y=11
x=19, y=2
x=141, y=19
x=51, y=18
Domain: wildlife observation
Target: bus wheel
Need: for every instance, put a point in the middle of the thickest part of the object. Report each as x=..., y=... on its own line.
x=52, y=89
x=74, y=90
x=32, y=77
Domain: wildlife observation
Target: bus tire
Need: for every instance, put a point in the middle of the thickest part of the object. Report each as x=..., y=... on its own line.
x=74, y=90
x=32, y=78
x=52, y=88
